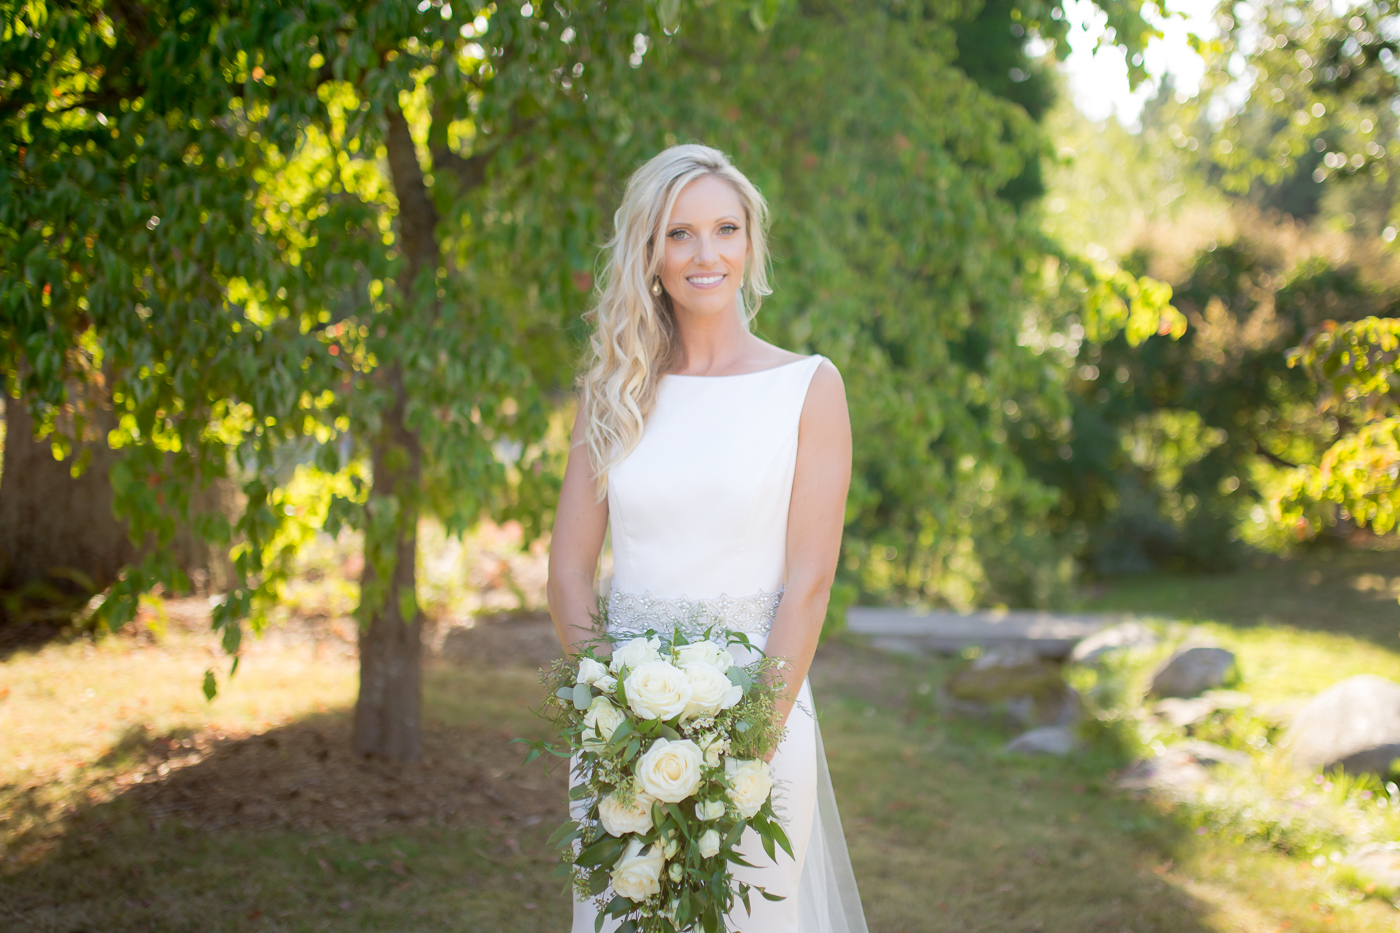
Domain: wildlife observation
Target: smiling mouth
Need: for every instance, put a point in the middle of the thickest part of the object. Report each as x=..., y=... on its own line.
x=705, y=281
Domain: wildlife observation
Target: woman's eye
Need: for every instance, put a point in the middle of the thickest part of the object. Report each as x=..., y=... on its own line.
x=676, y=234
x=729, y=228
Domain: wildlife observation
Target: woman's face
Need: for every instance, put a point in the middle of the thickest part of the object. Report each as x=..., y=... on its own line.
x=706, y=245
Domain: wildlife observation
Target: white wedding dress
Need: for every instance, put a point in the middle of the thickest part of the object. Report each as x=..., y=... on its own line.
x=698, y=514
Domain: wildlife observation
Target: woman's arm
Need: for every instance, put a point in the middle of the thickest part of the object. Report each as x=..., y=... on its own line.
x=815, y=520
x=574, y=547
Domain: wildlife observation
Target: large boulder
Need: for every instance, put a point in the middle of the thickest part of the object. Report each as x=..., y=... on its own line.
x=1191, y=671
x=1012, y=681
x=1353, y=725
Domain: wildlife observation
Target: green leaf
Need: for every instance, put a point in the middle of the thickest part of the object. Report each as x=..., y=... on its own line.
x=211, y=685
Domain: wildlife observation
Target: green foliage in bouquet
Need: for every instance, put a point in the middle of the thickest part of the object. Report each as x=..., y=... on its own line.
x=667, y=738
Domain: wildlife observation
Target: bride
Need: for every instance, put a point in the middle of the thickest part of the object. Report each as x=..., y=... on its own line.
x=720, y=463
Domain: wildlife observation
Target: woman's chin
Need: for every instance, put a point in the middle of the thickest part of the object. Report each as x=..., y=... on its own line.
x=703, y=305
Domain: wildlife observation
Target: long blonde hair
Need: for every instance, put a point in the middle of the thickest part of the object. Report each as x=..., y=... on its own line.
x=634, y=341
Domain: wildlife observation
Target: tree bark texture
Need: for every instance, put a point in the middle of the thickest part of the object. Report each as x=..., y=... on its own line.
x=52, y=523
x=388, y=713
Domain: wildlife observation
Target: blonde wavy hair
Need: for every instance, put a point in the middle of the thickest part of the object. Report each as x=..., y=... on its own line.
x=634, y=342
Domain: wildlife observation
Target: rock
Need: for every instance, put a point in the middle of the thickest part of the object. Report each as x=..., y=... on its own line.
x=1353, y=725
x=1013, y=681
x=1191, y=671
x=1047, y=740
x=1210, y=754
x=1174, y=773
x=1003, y=673
x=1182, y=712
x=1378, y=862
x=1179, y=769
x=1114, y=638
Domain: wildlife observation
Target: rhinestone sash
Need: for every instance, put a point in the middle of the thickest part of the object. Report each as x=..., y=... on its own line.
x=635, y=613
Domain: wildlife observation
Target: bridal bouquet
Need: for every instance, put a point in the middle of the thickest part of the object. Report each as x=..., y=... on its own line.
x=668, y=737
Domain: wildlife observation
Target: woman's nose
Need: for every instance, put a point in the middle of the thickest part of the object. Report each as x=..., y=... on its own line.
x=706, y=252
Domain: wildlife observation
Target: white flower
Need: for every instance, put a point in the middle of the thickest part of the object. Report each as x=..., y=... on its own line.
x=619, y=820
x=636, y=652
x=591, y=671
x=603, y=718
x=606, y=684
x=670, y=770
x=750, y=782
x=637, y=875
x=709, y=810
x=714, y=746
x=709, y=844
x=672, y=847
x=657, y=690
x=710, y=691
x=677, y=871
x=705, y=652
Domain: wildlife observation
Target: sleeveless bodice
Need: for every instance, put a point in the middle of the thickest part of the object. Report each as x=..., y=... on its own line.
x=698, y=510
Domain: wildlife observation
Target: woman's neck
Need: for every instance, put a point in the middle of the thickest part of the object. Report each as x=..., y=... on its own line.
x=711, y=342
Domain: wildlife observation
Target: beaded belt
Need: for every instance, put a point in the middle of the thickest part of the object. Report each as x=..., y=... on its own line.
x=634, y=613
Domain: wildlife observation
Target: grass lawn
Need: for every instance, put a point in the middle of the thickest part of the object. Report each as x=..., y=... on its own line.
x=128, y=803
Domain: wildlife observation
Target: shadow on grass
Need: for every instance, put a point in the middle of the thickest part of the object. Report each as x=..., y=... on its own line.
x=949, y=833
x=287, y=830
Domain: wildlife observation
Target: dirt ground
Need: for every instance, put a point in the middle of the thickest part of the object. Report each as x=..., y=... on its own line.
x=304, y=777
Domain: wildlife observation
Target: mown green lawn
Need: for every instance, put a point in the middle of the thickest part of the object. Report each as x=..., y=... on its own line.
x=274, y=827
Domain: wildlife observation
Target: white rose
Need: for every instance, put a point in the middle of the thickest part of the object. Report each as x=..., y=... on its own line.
x=709, y=810
x=672, y=847
x=710, y=691
x=705, y=652
x=606, y=684
x=619, y=820
x=750, y=782
x=603, y=718
x=637, y=875
x=709, y=844
x=591, y=671
x=670, y=770
x=636, y=652
x=657, y=690
x=677, y=871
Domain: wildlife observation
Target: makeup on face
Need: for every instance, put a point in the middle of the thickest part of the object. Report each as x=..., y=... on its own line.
x=706, y=247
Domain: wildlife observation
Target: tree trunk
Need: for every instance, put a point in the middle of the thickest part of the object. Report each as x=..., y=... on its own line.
x=52, y=523
x=388, y=713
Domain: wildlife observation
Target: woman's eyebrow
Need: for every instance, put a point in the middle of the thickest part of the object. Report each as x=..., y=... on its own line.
x=727, y=218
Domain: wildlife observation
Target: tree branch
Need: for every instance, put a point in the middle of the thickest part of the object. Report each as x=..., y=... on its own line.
x=418, y=218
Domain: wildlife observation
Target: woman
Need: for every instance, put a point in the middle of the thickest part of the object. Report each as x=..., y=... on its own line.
x=720, y=463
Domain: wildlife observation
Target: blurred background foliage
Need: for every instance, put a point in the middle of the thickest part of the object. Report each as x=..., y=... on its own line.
x=1065, y=343
x=1266, y=202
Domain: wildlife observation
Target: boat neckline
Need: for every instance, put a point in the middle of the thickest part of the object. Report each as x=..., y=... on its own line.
x=755, y=372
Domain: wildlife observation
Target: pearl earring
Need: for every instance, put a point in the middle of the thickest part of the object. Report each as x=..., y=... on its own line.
x=656, y=287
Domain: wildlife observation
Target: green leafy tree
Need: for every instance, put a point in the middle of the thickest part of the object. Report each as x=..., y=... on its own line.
x=338, y=240
x=307, y=236
x=1357, y=368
